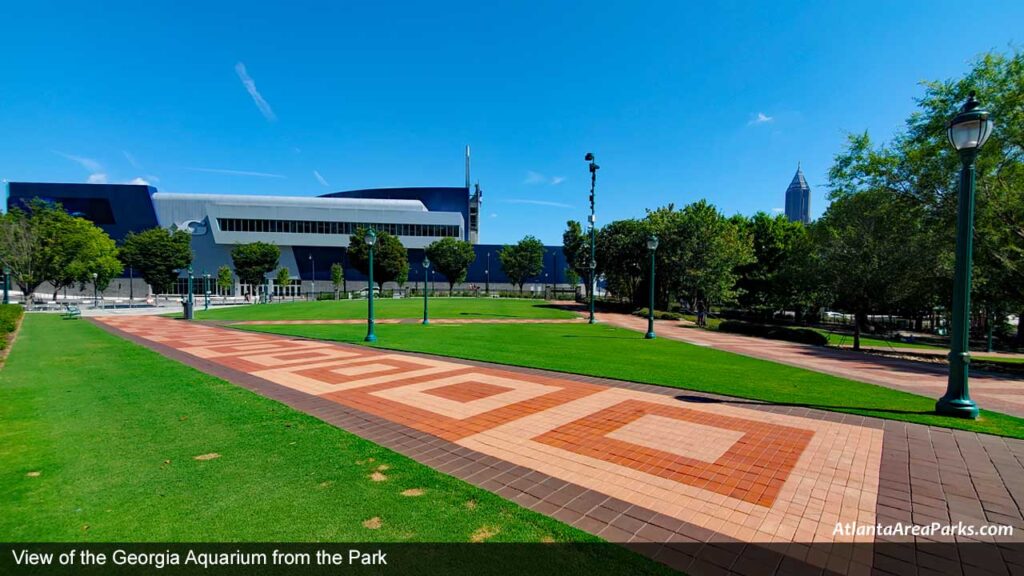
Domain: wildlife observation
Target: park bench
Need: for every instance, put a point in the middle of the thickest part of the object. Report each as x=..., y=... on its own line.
x=71, y=311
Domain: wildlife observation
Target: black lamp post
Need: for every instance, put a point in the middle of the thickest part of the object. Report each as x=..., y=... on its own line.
x=593, y=233
x=426, y=291
x=7, y=284
x=487, y=275
x=967, y=132
x=371, y=241
x=652, y=245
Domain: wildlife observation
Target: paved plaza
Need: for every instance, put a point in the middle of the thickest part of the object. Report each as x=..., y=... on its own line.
x=706, y=484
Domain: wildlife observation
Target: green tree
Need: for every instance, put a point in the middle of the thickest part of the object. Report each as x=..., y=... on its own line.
x=157, y=255
x=622, y=250
x=283, y=279
x=253, y=261
x=576, y=249
x=873, y=248
x=337, y=277
x=522, y=260
x=390, y=258
x=775, y=280
x=451, y=257
x=21, y=250
x=225, y=279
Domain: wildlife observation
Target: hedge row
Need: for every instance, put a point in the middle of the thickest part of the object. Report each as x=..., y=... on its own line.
x=658, y=314
x=801, y=335
x=9, y=316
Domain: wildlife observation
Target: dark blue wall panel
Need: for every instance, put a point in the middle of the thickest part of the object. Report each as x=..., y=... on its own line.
x=116, y=208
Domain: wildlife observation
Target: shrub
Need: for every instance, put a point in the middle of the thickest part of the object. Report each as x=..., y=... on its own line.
x=800, y=335
x=658, y=314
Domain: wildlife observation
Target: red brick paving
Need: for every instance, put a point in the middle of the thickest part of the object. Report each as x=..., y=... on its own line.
x=594, y=453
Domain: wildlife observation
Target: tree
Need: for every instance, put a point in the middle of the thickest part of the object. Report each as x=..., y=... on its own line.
x=873, y=249
x=451, y=257
x=283, y=279
x=157, y=255
x=76, y=249
x=253, y=261
x=622, y=250
x=337, y=277
x=21, y=250
x=390, y=258
x=775, y=280
x=576, y=249
x=225, y=279
x=522, y=260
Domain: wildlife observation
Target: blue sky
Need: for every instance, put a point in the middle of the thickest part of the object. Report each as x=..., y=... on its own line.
x=679, y=101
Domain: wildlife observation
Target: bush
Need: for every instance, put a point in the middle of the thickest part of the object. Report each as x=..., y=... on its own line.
x=658, y=314
x=9, y=316
x=800, y=335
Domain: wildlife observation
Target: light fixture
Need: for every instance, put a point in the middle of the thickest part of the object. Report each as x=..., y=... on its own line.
x=970, y=129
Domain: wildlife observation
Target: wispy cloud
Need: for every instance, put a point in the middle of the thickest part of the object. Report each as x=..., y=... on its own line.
x=321, y=179
x=87, y=163
x=761, y=118
x=534, y=178
x=536, y=202
x=236, y=172
x=778, y=210
x=97, y=178
x=131, y=159
x=250, y=87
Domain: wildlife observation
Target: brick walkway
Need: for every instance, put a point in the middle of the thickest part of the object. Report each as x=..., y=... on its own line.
x=706, y=484
x=1001, y=393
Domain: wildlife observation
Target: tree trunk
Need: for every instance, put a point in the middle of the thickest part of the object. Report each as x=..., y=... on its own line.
x=859, y=318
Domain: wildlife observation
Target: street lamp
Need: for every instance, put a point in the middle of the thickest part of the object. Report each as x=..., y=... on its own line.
x=652, y=245
x=426, y=290
x=7, y=284
x=487, y=275
x=371, y=241
x=593, y=233
x=206, y=291
x=312, y=273
x=967, y=132
x=95, y=298
x=191, y=300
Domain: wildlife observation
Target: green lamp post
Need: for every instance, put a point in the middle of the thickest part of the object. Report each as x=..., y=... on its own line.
x=652, y=245
x=426, y=290
x=371, y=241
x=593, y=233
x=967, y=132
x=7, y=284
x=206, y=291
x=95, y=296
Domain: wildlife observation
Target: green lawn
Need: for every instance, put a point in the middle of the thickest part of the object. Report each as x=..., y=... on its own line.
x=611, y=352
x=99, y=444
x=387, y=308
x=846, y=340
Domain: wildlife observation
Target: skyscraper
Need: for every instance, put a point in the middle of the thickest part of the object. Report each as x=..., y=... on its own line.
x=798, y=198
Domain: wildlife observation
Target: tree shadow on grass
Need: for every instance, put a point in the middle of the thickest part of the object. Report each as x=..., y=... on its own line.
x=694, y=399
x=487, y=315
x=602, y=337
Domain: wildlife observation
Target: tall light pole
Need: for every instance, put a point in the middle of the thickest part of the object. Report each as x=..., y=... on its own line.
x=312, y=274
x=487, y=275
x=206, y=291
x=967, y=132
x=191, y=300
x=652, y=245
x=7, y=284
x=593, y=233
x=95, y=298
x=371, y=241
x=426, y=291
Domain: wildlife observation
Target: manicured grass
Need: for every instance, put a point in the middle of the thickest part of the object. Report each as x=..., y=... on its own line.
x=388, y=308
x=611, y=352
x=846, y=341
x=99, y=444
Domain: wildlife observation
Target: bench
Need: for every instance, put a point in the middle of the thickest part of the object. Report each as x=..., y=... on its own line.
x=71, y=311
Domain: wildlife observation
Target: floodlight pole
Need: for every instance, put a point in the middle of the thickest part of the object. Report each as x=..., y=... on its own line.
x=593, y=234
x=371, y=240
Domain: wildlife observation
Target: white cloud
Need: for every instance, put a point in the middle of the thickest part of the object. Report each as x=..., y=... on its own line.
x=493, y=215
x=778, y=210
x=250, y=87
x=87, y=163
x=761, y=118
x=536, y=202
x=151, y=178
x=533, y=178
x=236, y=172
x=97, y=178
x=139, y=181
x=321, y=179
x=131, y=159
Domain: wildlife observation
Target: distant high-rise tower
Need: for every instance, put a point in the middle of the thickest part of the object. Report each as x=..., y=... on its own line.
x=798, y=198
